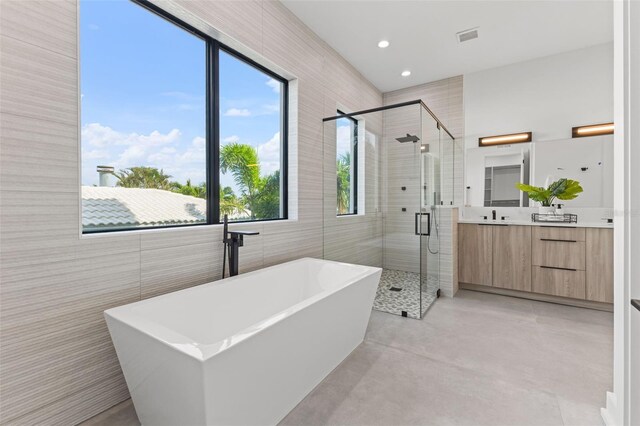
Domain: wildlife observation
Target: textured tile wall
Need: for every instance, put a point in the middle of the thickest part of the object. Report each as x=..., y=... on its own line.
x=445, y=99
x=58, y=364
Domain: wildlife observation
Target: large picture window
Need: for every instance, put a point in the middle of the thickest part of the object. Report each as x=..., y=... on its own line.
x=347, y=165
x=176, y=128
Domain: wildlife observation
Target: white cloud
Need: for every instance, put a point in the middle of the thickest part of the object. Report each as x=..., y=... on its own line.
x=343, y=137
x=93, y=27
x=236, y=112
x=194, y=154
x=161, y=150
x=274, y=84
x=132, y=156
x=98, y=135
x=231, y=139
x=95, y=154
x=163, y=156
x=269, y=155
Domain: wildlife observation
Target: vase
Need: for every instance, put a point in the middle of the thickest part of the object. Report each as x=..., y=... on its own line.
x=546, y=210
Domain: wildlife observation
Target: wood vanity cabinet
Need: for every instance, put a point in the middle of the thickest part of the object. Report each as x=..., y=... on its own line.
x=567, y=262
x=599, y=251
x=512, y=257
x=475, y=254
x=559, y=260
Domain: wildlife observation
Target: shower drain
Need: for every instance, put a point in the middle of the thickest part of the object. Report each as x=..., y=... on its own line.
x=395, y=289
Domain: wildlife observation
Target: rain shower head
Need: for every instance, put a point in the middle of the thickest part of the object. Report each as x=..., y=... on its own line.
x=408, y=138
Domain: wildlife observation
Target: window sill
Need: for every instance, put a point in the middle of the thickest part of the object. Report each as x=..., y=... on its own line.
x=180, y=228
x=340, y=216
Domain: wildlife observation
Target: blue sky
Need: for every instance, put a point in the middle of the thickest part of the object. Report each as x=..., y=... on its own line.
x=143, y=96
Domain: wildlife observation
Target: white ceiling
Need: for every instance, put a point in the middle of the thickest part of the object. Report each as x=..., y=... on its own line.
x=423, y=33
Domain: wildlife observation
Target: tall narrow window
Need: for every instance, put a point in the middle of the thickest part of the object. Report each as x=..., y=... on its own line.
x=347, y=165
x=251, y=141
x=177, y=129
x=143, y=94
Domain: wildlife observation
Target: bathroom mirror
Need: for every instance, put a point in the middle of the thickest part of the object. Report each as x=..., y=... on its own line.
x=492, y=172
x=546, y=97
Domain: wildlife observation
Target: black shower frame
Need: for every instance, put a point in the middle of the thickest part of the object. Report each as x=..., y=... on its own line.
x=387, y=107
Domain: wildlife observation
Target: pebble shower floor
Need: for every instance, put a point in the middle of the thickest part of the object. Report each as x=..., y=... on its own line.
x=408, y=298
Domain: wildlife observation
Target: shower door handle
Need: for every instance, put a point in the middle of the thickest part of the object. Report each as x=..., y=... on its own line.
x=418, y=224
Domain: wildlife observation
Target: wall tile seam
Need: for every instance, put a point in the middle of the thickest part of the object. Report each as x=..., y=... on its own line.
x=35, y=117
x=75, y=58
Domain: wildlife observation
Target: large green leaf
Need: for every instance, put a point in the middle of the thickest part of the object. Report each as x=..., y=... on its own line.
x=557, y=187
x=571, y=191
x=535, y=193
x=562, y=189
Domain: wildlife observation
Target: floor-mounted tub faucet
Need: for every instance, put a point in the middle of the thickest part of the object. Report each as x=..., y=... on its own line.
x=233, y=240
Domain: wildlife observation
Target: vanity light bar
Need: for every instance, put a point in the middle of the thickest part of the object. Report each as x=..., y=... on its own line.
x=505, y=139
x=592, y=130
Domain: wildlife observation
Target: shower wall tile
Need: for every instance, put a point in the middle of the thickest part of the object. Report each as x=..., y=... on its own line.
x=61, y=367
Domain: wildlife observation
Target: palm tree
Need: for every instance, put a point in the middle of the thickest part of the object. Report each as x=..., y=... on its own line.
x=143, y=177
x=229, y=203
x=199, y=191
x=260, y=195
x=343, y=167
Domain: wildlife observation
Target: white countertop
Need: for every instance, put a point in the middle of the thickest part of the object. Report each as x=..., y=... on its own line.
x=579, y=224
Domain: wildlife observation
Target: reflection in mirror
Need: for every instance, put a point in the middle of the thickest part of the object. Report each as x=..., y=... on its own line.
x=492, y=172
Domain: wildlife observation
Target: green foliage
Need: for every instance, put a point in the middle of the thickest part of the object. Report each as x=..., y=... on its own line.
x=143, y=177
x=242, y=161
x=260, y=194
x=343, y=168
x=229, y=203
x=562, y=189
x=199, y=191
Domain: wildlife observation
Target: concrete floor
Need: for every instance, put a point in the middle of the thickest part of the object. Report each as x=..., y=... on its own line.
x=476, y=359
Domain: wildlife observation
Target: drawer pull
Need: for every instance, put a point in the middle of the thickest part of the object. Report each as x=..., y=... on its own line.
x=563, y=269
x=562, y=241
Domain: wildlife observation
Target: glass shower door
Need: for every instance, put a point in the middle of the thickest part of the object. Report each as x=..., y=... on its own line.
x=399, y=290
x=428, y=220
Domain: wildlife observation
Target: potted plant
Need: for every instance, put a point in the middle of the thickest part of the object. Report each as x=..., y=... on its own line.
x=562, y=189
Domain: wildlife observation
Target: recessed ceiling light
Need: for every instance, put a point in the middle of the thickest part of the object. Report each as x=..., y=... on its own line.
x=383, y=44
x=406, y=73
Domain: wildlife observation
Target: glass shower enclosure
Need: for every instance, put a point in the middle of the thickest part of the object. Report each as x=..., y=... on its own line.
x=395, y=163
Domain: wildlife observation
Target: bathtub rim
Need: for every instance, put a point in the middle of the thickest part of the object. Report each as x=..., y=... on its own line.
x=202, y=352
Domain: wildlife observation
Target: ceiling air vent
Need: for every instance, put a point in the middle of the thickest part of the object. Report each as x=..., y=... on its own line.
x=467, y=35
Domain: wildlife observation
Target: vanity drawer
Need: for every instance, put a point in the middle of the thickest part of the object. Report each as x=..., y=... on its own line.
x=558, y=282
x=559, y=254
x=556, y=233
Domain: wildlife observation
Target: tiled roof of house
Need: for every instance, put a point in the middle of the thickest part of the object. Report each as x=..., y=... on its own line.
x=115, y=207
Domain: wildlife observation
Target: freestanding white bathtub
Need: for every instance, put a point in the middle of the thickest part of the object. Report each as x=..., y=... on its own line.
x=244, y=350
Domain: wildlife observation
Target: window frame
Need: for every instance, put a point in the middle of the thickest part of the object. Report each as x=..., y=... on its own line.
x=354, y=163
x=212, y=127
